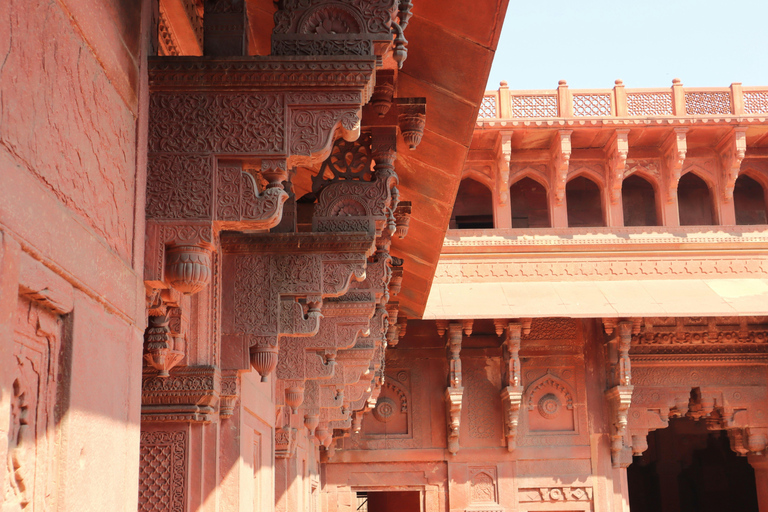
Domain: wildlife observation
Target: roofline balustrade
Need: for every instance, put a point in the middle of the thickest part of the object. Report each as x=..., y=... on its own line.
x=673, y=102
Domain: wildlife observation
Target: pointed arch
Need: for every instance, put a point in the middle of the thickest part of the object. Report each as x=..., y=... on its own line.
x=695, y=199
x=473, y=208
x=584, y=201
x=749, y=199
x=529, y=203
x=639, y=201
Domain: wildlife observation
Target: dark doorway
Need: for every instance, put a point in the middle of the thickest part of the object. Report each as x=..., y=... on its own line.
x=389, y=501
x=585, y=207
x=528, y=200
x=639, y=202
x=749, y=201
x=473, y=208
x=694, y=202
x=688, y=468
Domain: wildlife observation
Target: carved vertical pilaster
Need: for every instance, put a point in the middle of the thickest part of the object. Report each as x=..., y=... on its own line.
x=512, y=377
x=455, y=392
x=619, y=396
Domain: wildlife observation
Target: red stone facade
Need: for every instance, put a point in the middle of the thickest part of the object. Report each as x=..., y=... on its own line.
x=226, y=283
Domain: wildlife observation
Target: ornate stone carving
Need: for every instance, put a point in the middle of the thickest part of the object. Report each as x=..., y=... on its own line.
x=285, y=442
x=560, y=152
x=732, y=150
x=512, y=380
x=550, y=405
x=159, y=346
x=383, y=93
x=412, y=119
x=163, y=471
x=673, y=157
x=483, y=485
x=617, y=150
x=271, y=271
x=187, y=394
x=554, y=494
x=455, y=392
x=341, y=27
x=505, y=155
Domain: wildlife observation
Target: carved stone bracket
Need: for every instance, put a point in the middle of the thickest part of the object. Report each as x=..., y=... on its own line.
x=560, y=156
x=285, y=442
x=732, y=150
x=230, y=392
x=270, y=273
x=383, y=93
x=512, y=379
x=455, y=391
x=196, y=169
x=619, y=399
x=412, y=118
x=617, y=150
x=673, y=157
x=505, y=155
x=453, y=400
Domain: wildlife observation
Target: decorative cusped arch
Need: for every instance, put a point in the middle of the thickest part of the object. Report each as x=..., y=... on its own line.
x=591, y=172
x=538, y=175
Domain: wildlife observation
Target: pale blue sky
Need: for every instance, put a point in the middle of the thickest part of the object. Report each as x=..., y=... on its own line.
x=646, y=43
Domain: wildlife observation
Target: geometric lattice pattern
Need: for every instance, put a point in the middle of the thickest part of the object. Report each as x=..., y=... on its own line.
x=535, y=105
x=703, y=103
x=488, y=108
x=591, y=105
x=756, y=102
x=162, y=466
x=649, y=104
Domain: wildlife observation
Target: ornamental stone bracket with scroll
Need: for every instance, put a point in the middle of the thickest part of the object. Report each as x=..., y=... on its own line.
x=616, y=153
x=505, y=155
x=619, y=394
x=211, y=120
x=673, y=152
x=732, y=150
x=512, y=379
x=454, y=392
x=560, y=156
x=274, y=285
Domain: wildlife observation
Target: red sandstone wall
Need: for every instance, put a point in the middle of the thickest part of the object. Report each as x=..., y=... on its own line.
x=71, y=301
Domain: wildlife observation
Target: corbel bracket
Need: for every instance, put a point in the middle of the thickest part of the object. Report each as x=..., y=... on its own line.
x=512, y=392
x=505, y=155
x=616, y=153
x=455, y=392
x=560, y=157
x=673, y=157
x=732, y=150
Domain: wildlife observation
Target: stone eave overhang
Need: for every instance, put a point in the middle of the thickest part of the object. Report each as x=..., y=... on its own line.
x=450, y=52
